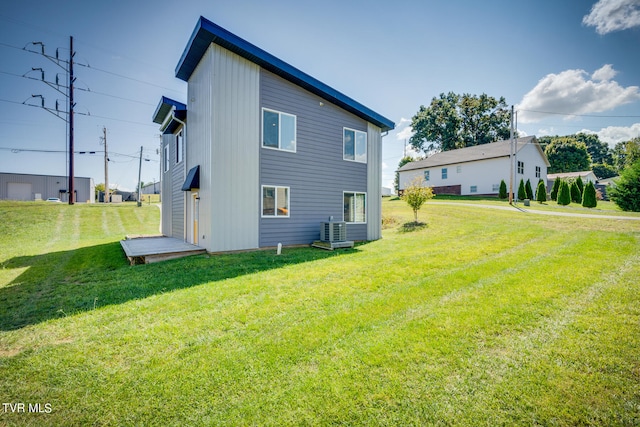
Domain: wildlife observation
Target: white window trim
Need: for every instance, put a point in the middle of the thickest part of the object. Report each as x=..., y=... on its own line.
x=366, y=217
x=295, y=131
x=366, y=143
x=167, y=161
x=179, y=146
x=276, y=187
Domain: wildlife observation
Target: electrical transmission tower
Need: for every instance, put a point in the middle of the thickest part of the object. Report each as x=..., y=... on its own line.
x=67, y=116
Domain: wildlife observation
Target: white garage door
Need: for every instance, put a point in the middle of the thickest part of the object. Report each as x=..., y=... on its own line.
x=19, y=191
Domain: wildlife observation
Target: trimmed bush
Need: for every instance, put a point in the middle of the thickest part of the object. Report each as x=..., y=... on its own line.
x=541, y=192
x=502, y=193
x=529, y=190
x=564, y=194
x=580, y=184
x=522, y=193
x=576, y=194
x=589, y=199
x=554, y=190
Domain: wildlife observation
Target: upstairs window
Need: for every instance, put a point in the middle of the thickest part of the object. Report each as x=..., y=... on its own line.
x=444, y=173
x=538, y=172
x=521, y=168
x=278, y=130
x=179, y=144
x=354, y=144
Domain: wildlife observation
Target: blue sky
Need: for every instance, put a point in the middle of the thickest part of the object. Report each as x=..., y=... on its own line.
x=576, y=61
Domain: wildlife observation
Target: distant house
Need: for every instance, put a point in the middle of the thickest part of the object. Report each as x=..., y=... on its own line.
x=587, y=176
x=19, y=186
x=262, y=153
x=478, y=170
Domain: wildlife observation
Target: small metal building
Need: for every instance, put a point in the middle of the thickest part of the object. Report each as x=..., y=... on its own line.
x=18, y=186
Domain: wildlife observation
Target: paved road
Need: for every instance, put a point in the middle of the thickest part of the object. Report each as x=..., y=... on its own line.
x=539, y=212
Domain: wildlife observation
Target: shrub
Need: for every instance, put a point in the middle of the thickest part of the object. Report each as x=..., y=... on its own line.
x=502, y=194
x=564, y=194
x=522, y=193
x=554, y=190
x=529, y=190
x=576, y=194
x=589, y=199
x=541, y=192
x=416, y=195
x=626, y=193
x=580, y=184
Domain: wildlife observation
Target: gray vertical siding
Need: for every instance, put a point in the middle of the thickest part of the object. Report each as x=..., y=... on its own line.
x=374, y=183
x=178, y=176
x=316, y=173
x=223, y=139
x=48, y=186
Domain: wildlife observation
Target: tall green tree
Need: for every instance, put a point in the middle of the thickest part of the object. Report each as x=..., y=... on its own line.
x=522, y=192
x=555, y=189
x=565, y=154
x=529, y=190
x=502, y=192
x=598, y=150
x=589, y=199
x=576, y=194
x=541, y=192
x=454, y=121
x=564, y=193
x=626, y=192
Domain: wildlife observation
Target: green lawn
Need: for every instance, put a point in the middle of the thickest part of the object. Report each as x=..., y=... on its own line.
x=480, y=317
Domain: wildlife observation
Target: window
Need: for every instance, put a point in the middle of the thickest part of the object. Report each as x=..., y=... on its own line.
x=278, y=130
x=537, y=171
x=444, y=173
x=166, y=158
x=355, y=207
x=179, y=142
x=459, y=169
x=474, y=189
x=426, y=175
x=275, y=202
x=495, y=188
x=354, y=144
x=521, y=168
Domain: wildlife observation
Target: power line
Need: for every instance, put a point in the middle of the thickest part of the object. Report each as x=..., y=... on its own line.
x=581, y=115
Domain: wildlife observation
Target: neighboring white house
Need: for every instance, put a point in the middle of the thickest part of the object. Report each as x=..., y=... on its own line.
x=478, y=170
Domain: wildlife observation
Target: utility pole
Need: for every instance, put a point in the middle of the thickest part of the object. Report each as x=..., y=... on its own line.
x=139, y=175
x=511, y=159
x=71, y=105
x=106, y=166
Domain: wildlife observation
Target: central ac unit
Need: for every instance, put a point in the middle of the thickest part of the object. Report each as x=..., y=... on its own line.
x=333, y=231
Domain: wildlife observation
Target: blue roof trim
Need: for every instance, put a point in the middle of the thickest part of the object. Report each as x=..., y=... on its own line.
x=164, y=108
x=206, y=32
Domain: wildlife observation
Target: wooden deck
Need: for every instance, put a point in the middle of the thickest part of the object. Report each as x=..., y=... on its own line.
x=145, y=250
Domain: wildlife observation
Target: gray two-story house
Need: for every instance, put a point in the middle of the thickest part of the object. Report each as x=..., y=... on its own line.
x=262, y=153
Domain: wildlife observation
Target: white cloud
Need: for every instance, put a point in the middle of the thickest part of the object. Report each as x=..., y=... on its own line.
x=405, y=131
x=614, y=134
x=571, y=93
x=613, y=15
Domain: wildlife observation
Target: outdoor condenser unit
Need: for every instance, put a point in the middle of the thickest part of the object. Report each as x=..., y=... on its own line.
x=333, y=231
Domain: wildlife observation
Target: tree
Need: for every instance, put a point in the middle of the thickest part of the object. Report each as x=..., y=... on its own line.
x=564, y=193
x=598, y=150
x=555, y=189
x=576, y=194
x=502, y=193
x=565, y=154
x=522, y=192
x=589, y=199
x=528, y=190
x=626, y=192
x=604, y=171
x=416, y=195
x=455, y=121
x=541, y=192
x=626, y=154
x=580, y=184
